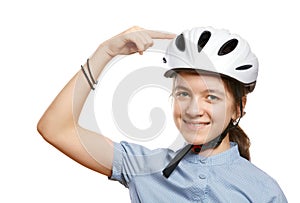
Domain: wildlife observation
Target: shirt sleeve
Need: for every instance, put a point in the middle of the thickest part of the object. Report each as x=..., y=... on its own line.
x=279, y=196
x=270, y=190
x=131, y=160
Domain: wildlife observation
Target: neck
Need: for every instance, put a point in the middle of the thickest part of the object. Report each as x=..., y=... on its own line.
x=225, y=145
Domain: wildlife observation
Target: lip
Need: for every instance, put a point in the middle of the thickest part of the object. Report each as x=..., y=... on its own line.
x=195, y=125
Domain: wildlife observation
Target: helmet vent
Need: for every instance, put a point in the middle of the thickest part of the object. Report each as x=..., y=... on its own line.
x=180, y=43
x=228, y=47
x=164, y=60
x=203, y=39
x=244, y=67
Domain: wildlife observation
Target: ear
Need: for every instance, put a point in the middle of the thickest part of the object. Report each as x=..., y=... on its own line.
x=244, y=101
x=238, y=112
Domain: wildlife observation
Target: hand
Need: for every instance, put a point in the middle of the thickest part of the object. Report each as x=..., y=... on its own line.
x=133, y=40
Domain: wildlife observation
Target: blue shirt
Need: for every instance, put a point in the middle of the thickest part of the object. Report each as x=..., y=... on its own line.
x=225, y=177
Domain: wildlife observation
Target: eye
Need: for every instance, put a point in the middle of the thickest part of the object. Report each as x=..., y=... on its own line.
x=182, y=94
x=212, y=98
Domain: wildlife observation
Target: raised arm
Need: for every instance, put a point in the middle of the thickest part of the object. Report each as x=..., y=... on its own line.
x=59, y=124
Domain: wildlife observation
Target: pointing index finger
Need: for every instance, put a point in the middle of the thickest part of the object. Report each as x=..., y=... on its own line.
x=160, y=35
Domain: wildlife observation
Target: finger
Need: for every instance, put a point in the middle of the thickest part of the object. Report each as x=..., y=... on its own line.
x=160, y=35
x=136, y=43
x=146, y=39
x=142, y=41
x=132, y=29
x=149, y=41
x=141, y=46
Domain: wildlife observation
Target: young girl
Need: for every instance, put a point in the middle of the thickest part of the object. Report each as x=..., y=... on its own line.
x=212, y=72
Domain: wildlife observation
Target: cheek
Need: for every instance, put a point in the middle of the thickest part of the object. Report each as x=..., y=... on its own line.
x=179, y=109
x=177, y=112
x=221, y=114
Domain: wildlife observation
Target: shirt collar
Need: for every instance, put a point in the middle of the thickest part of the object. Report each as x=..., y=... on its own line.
x=222, y=158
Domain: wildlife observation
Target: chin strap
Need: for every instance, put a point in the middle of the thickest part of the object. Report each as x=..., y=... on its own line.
x=175, y=161
x=211, y=144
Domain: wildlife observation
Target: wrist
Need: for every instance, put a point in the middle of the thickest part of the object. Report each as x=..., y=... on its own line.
x=99, y=59
x=105, y=50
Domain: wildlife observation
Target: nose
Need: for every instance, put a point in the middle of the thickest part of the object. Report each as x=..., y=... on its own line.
x=195, y=108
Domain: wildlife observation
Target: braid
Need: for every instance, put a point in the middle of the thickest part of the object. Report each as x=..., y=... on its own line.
x=237, y=134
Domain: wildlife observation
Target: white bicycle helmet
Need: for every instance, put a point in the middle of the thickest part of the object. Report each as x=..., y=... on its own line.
x=213, y=50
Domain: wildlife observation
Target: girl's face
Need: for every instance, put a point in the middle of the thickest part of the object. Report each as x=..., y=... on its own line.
x=202, y=107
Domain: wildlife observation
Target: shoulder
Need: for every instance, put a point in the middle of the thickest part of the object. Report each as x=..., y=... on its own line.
x=259, y=179
x=139, y=150
x=140, y=158
x=253, y=172
x=134, y=160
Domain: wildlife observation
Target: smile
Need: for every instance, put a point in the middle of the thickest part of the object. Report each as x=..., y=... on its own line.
x=196, y=125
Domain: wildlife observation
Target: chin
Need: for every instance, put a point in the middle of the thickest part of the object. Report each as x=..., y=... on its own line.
x=195, y=140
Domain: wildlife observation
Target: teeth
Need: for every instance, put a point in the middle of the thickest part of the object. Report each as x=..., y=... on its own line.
x=195, y=124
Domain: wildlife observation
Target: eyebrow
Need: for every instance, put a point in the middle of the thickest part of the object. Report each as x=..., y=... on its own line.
x=181, y=87
x=215, y=91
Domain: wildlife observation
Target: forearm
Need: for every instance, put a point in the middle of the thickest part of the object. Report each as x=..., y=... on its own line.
x=65, y=110
x=82, y=89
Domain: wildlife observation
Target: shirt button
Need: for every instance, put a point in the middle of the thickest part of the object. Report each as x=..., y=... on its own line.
x=202, y=176
x=203, y=161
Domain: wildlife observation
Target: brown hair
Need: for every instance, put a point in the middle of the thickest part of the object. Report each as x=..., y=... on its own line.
x=236, y=134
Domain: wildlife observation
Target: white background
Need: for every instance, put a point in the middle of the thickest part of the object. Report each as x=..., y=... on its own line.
x=43, y=43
